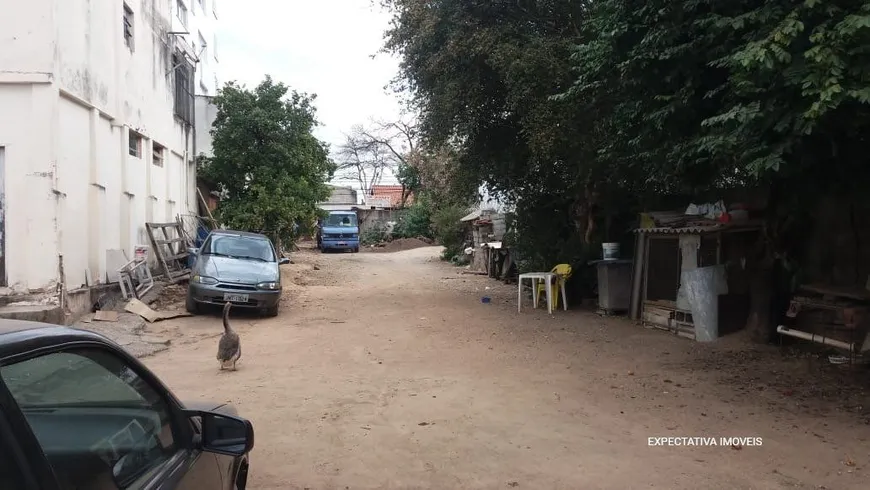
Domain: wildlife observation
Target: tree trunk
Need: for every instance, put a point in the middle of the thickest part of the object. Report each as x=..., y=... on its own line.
x=759, y=324
x=279, y=246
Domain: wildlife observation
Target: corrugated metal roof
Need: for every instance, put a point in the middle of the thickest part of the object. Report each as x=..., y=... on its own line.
x=666, y=230
x=700, y=229
x=471, y=216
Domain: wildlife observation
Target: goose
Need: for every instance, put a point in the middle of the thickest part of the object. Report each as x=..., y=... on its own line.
x=229, y=347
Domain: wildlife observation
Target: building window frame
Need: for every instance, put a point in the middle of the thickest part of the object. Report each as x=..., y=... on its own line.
x=203, y=45
x=158, y=154
x=182, y=12
x=134, y=143
x=129, y=23
x=183, y=89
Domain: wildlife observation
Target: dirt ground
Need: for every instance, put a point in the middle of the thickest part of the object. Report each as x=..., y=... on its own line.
x=388, y=371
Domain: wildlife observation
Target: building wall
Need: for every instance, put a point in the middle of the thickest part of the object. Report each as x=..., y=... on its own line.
x=203, y=25
x=76, y=91
x=342, y=195
x=206, y=112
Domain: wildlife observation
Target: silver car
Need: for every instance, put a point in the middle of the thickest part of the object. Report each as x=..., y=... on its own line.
x=236, y=267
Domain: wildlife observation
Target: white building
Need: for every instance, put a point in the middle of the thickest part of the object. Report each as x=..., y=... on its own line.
x=340, y=199
x=97, y=134
x=201, y=30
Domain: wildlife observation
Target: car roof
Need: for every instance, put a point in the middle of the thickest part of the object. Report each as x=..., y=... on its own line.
x=239, y=233
x=342, y=212
x=17, y=336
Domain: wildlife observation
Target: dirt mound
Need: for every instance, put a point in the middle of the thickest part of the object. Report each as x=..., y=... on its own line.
x=402, y=244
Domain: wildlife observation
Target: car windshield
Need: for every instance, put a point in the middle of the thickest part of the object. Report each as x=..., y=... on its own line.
x=240, y=247
x=341, y=220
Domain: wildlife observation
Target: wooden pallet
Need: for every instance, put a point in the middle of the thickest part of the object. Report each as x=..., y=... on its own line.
x=170, y=249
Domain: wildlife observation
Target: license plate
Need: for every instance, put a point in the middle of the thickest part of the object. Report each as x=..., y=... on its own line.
x=238, y=298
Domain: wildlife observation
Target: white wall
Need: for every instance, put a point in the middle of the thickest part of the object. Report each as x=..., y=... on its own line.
x=204, y=16
x=75, y=90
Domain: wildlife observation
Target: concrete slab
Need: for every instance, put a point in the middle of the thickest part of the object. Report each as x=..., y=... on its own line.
x=34, y=313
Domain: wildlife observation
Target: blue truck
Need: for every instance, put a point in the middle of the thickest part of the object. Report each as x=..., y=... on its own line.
x=339, y=231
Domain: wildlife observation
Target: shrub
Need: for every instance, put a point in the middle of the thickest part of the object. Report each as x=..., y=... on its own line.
x=374, y=234
x=414, y=222
x=449, y=231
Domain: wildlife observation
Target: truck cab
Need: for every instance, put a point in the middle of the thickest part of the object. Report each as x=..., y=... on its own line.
x=339, y=231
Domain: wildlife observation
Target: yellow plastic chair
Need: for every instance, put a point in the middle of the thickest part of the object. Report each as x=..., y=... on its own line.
x=563, y=273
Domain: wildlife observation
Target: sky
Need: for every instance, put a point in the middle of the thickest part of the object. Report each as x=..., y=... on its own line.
x=322, y=47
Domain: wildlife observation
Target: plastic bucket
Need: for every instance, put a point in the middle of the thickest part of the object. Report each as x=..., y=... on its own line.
x=610, y=250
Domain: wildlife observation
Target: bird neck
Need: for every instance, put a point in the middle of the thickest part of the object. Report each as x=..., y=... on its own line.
x=227, y=327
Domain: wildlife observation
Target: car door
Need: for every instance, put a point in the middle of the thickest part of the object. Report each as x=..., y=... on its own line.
x=14, y=472
x=104, y=423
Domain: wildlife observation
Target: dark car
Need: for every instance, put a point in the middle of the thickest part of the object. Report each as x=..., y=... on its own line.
x=236, y=267
x=79, y=412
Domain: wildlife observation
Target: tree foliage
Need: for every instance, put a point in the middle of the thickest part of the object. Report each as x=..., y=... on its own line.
x=272, y=169
x=572, y=109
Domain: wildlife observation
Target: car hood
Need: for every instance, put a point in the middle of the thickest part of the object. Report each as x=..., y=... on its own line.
x=240, y=271
x=340, y=229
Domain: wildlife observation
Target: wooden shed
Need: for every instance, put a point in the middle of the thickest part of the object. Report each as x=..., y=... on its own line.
x=665, y=254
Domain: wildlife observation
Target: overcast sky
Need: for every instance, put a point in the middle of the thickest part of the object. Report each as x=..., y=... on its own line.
x=316, y=46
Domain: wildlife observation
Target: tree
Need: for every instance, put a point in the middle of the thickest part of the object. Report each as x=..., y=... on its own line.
x=363, y=160
x=266, y=159
x=380, y=148
x=572, y=108
x=482, y=74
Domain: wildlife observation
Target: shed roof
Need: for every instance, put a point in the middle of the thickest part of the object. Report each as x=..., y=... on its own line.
x=471, y=216
x=701, y=229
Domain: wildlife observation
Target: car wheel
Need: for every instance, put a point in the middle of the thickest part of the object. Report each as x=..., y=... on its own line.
x=356, y=250
x=272, y=311
x=191, y=305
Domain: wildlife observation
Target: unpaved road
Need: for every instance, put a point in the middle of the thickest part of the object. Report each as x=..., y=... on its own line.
x=387, y=371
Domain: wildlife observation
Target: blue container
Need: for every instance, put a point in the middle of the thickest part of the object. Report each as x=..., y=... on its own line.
x=485, y=299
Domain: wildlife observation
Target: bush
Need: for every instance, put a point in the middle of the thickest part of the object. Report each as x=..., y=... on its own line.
x=449, y=231
x=415, y=221
x=374, y=234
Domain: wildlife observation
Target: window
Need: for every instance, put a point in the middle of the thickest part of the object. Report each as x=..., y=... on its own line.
x=202, y=45
x=135, y=140
x=341, y=220
x=98, y=422
x=239, y=247
x=183, y=88
x=182, y=12
x=128, y=26
x=157, y=153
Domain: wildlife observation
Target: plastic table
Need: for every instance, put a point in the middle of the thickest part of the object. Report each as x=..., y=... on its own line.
x=534, y=277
